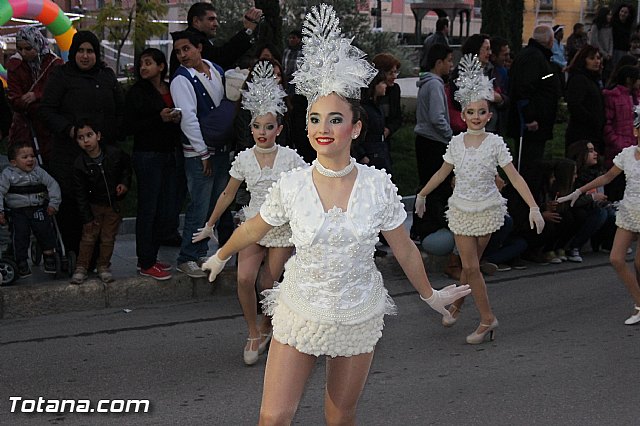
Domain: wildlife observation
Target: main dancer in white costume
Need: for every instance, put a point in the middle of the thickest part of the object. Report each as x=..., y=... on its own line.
x=332, y=300
x=476, y=208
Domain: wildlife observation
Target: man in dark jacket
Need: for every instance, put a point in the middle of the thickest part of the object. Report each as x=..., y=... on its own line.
x=534, y=92
x=439, y=37
x=203, y=20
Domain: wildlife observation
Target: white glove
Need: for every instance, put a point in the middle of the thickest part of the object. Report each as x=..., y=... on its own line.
x=421, y=205
x=571, y=197
x=442, y=298
x=536, y=219
x=205, y=232
x=215, y=265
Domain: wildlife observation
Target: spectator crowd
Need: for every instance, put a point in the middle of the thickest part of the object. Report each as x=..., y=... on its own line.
x=185, y=116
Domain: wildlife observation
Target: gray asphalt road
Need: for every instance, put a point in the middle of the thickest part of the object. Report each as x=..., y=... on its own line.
x=562, y=356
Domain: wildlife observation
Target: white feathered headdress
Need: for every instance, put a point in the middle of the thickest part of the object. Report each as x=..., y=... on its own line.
x=329, y=63
x=472, y=84
x=264, y=94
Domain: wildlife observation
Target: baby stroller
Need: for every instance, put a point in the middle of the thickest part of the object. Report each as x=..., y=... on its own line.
x=8, y=271
x=65, y=260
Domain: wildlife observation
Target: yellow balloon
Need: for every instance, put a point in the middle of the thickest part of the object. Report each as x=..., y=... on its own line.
x=64, y=39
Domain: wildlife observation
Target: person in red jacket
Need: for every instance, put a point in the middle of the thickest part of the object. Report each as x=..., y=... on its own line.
x=27, y=74
x=619, y=100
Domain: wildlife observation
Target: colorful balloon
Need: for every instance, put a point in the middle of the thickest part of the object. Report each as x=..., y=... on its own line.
x=45, y=11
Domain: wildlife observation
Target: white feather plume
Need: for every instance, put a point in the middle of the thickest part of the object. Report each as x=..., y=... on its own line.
x=472, y=84
x=329, y=63
x=264, y=94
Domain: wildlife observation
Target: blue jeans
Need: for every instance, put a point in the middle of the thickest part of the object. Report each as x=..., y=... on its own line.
x=503, y=247
x=156, y=176
x=220, y=171
x=203, y=193
x=592, y=220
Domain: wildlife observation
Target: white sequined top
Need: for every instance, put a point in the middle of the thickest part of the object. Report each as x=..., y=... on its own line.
x=475, y=171
x=626, y=161
x=246, y=167
x=332, y=276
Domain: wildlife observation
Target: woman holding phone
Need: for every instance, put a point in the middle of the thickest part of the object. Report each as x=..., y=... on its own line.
x=155, y=125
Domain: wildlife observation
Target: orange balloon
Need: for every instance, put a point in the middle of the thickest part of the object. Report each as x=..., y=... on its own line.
x=49, y=12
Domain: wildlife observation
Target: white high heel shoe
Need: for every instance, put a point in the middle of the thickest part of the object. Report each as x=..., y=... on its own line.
x=450, y=322
x=250, y=356
x=476, y=338
x=635, y=318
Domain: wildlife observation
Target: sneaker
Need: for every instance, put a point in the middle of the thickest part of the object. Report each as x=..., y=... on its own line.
x=105, y=275
x=49, y=262
x=23, y=269
x=201, y=260
x=551, y=257
x=79, y=275
x=574, y=255
x=156, y=272
x=488, y=268
x=518, y=264
x=561, y=255
x=503, y=267
x=162, y=265
x=191, y=269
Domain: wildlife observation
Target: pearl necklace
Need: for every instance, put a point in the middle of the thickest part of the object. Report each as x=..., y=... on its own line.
x=476, y=132
x=333, y=173
x=265, y=150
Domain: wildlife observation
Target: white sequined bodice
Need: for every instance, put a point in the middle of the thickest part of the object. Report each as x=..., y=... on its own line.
x=259, y=180
x=627, y=162
x=475, y=168
x=333, y=276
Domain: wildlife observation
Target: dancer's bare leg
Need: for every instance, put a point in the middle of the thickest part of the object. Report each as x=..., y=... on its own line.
x=470, y=249
x=285, y=377
x=346, y=377
x=249, y=260
x=617, y=257
x=271, y=271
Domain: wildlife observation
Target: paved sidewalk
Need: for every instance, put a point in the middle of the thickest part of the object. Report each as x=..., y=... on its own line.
x=40, y=294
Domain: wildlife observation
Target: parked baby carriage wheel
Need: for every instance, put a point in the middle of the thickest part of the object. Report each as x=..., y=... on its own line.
x=36, y=253
x=9, y=271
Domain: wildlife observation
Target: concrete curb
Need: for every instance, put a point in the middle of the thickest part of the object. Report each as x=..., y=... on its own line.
x=24, y=301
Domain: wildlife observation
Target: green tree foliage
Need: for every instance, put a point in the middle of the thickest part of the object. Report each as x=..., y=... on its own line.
x=516, y=24
x=117, y=21
x=146, y=12
x=495, y=16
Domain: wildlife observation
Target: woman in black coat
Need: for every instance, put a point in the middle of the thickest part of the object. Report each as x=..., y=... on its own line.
x=155, y=125
x=584, y=99
x=374, y=150
x=82, y=89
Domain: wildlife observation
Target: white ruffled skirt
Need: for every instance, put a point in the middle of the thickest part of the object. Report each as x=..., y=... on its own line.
x=466, y=219
x=628, y=218
x=332, y=338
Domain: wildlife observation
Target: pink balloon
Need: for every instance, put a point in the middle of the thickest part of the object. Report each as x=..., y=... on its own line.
x=19, y=7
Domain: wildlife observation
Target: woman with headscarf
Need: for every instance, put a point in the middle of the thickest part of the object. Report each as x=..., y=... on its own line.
x=28, y=71
x=82, y=89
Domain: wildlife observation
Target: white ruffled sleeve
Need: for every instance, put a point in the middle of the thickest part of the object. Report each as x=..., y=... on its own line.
x=618, y=160
x=448, y=155
x=502, y=152
x=236, y=171
x=273, y=210
x=393, y=213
